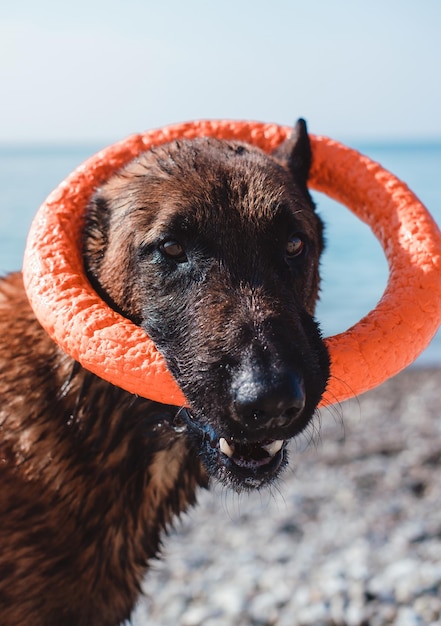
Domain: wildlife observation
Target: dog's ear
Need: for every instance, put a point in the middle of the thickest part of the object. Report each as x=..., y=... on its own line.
x=295, y=153
x=95, y=235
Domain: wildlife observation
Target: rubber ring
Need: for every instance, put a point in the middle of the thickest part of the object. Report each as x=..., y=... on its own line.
x=381, y=344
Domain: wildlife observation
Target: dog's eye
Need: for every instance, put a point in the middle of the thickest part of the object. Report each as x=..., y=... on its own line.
x=174, y=250
x=294, y=247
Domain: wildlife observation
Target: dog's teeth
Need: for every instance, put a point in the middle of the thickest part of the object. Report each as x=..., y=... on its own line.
x=273, y=447
x=225, y=447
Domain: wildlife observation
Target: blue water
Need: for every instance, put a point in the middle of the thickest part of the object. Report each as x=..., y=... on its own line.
x=354, y=269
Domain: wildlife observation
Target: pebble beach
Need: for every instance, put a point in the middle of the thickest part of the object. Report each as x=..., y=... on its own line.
x=351, y=536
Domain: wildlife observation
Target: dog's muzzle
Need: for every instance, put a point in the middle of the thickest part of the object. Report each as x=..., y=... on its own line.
x=240, y=462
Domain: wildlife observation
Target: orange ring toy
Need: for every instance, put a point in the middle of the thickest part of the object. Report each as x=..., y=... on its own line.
x=385, y=341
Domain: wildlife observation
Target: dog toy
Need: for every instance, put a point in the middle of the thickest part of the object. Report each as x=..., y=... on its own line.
x=381, y=344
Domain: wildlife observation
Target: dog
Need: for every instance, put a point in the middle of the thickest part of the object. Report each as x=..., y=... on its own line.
x=213, y=248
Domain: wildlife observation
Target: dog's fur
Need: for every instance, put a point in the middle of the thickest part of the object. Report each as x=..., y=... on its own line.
x=213, y=248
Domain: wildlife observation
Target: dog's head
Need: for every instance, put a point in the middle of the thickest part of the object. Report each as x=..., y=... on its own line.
x=213, y=248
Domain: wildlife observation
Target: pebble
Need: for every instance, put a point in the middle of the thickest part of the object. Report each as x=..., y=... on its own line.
x=350, y=537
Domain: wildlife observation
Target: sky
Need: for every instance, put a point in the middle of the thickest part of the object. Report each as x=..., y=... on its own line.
x=99, y=70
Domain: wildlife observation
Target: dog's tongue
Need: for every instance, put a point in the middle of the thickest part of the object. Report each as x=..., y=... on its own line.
x=250, y=455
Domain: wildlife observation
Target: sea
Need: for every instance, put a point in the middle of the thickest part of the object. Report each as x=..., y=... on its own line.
x=354, y=269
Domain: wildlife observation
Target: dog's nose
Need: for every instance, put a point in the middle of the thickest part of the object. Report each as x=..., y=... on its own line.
x=269, y=403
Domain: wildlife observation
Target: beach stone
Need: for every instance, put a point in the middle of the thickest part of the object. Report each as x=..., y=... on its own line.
x=229, y=599
x=198, y=614
x=429, y=608
x=350, y=537
x=406, y=616
x=312, y=615
x=263, y=609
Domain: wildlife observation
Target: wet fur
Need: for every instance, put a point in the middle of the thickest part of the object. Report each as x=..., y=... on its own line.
x=91, y=476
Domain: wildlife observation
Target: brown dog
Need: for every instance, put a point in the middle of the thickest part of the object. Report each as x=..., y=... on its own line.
x=213, y=248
